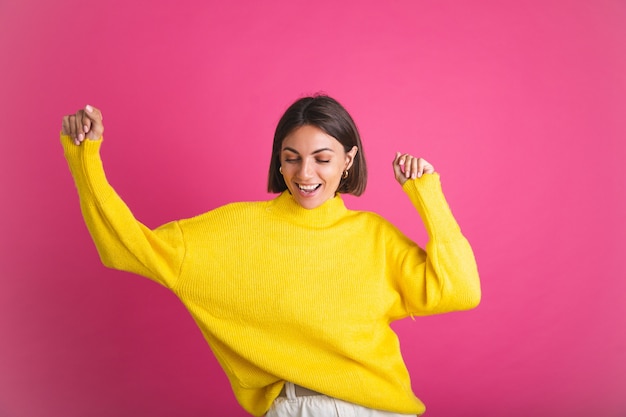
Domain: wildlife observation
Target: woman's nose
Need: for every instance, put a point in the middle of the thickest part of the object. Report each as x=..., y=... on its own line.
x=306, y=170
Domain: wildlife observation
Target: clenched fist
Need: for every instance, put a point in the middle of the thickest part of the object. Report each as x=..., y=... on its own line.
x=85, y=124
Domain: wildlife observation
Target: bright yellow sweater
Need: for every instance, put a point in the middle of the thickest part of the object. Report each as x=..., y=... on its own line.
x=282, y=293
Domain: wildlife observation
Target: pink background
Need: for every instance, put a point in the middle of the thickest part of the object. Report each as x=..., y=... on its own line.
x=521, y=106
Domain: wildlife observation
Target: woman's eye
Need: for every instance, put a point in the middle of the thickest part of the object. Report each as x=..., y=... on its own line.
x=323, y=161
x=291, y=160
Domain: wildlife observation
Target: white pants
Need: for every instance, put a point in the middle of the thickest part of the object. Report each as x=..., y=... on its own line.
x=321, y=406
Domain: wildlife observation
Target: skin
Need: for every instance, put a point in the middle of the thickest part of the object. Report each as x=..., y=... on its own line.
x=85, y=124
x=309, y=158
x=406, y=166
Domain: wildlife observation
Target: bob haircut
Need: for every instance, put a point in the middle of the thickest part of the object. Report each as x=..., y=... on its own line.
x=326, y=114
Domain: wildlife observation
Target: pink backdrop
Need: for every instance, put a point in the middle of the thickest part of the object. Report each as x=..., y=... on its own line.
x=519, y=105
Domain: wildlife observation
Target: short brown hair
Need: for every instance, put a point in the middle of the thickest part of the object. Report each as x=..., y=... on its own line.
x=331, y=117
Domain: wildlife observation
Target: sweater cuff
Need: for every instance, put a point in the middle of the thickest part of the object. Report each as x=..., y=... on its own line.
x=86, y=167
x=427, y=197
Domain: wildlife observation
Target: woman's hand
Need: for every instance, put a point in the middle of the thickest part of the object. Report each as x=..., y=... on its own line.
x=407, y=166
x=85, y=124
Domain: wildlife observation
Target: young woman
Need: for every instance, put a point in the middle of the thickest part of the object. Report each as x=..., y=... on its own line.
x=295, y=295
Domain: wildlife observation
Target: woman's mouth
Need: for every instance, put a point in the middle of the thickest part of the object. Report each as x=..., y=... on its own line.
x=308, y=189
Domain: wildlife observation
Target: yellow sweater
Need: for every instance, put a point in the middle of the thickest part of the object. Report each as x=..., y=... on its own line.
x=282, y=293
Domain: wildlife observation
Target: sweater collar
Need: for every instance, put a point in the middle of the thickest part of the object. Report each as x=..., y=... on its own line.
x=325, y=215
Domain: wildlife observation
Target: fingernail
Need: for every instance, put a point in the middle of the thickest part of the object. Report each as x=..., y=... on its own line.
x=89, y=108
x=86, y=129
x=80, y=136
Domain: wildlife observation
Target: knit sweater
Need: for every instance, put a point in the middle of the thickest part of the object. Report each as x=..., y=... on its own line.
x=283, y=293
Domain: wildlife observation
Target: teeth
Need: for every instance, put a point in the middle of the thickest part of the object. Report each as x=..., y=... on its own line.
x=308, y=187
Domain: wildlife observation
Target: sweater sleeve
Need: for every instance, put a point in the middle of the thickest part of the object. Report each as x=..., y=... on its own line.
x=445, y=278
x=122, y=242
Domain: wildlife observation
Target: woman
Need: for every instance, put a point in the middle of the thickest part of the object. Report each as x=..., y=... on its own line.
x=295, y=294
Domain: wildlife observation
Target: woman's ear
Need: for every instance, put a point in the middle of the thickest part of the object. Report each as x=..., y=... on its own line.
x=350, y=155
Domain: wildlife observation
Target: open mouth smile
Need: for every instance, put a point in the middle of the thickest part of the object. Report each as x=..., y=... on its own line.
x=308, y=189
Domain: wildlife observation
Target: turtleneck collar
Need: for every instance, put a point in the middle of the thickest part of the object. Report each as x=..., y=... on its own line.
x=325, y=215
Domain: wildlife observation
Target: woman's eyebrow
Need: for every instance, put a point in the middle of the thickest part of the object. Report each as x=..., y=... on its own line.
x=287, y=148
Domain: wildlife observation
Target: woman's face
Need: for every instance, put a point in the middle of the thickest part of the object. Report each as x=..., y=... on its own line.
x=312, y=163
